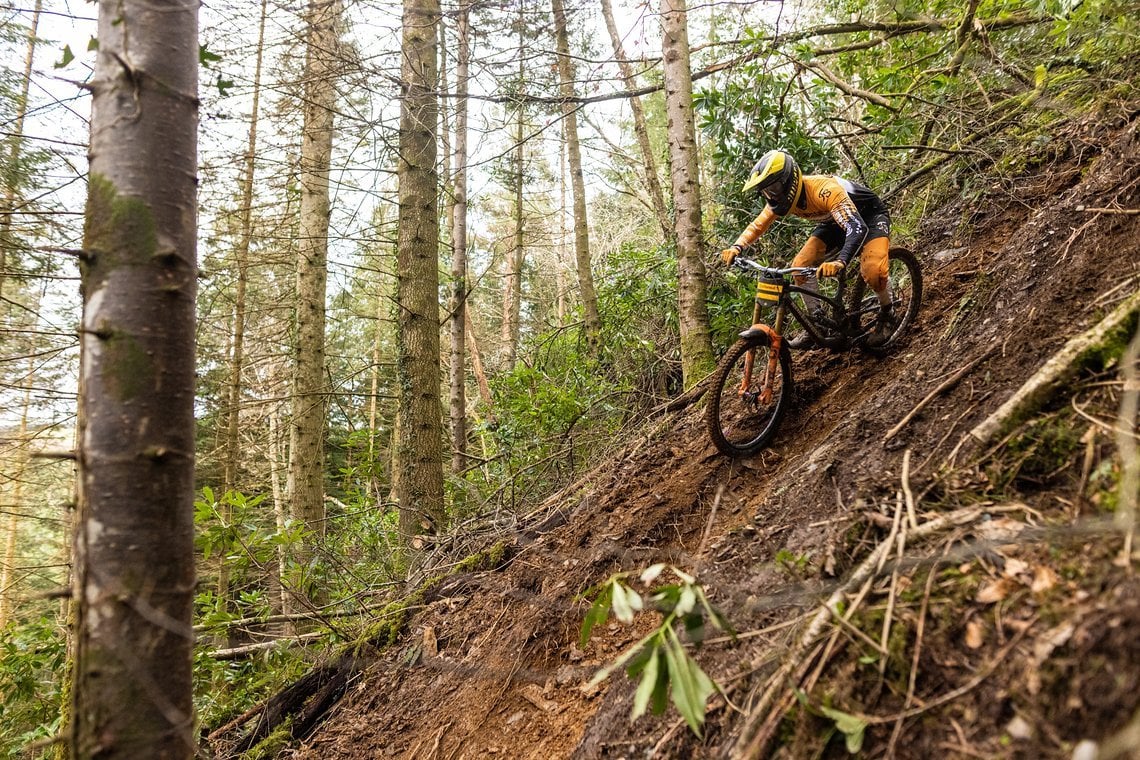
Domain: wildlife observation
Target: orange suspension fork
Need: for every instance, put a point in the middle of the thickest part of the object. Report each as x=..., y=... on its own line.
x=775, y=339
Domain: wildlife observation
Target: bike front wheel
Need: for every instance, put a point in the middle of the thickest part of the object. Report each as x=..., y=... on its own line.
x=742, y=415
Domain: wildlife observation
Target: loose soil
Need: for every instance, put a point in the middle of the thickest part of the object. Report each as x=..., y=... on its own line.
x=1036, y=630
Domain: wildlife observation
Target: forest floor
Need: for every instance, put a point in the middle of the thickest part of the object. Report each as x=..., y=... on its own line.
x=1010, y=633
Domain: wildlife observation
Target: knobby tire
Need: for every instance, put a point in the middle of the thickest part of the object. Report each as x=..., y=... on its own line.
x=740, y=424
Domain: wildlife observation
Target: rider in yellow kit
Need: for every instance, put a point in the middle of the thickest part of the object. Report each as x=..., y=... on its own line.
x=851, y=217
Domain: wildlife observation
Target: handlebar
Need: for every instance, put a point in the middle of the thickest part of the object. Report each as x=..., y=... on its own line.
x=748, y=265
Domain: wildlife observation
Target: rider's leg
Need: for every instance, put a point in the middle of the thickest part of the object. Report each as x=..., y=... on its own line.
x=874, y=267
x=811, y=255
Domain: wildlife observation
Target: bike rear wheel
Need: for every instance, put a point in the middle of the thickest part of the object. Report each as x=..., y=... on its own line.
x=905, y=277
x=740, y=420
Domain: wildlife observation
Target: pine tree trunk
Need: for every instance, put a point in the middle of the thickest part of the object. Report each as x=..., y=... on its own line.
x=420, y=480
x=15, y=140
x=134, y=539
x=513, y=262
x=276, y=455
x=457, y=398
x=19, y=469
x=696, y=346
x=561, y=308
x=477, y=362
x=640, y=128
x=305, y=483
x=232, y=454
x=577, y=185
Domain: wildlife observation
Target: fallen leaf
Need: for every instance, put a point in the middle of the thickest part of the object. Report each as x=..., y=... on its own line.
x=999, y=530
x=995, y=591
x=1014, y=567
x=1050, y=640
x=1043, y=579
x=975, y=633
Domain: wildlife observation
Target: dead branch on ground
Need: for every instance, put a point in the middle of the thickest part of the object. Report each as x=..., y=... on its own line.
x=1057, y=371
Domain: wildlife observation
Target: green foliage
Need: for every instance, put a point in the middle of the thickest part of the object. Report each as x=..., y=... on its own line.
x=742, y=118
x=33, y=658
x=851, y=726
x=242, y=537
x=564, y=401
x=660, y=659
x=225, y=688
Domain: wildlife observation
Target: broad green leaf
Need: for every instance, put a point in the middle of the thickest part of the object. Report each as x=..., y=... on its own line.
x=205, y=57
x=68, y=57
x=626, y=602
x=93, y=44
x=687, y=601
x=691, y=687
x=223, y=85
x=598, y=612
x=648, y=685
x=851, y=726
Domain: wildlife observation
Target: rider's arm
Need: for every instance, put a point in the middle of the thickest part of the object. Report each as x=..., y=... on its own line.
x=756, y=228
x=847, y=216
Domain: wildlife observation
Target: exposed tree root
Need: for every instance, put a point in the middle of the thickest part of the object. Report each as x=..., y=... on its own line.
x=1060, y=369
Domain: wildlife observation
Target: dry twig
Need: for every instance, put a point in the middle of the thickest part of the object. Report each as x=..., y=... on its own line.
x=758, y=727
x=942, y=387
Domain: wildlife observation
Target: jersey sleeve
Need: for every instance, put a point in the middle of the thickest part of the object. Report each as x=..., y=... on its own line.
x=757, y=227
x=843, y=211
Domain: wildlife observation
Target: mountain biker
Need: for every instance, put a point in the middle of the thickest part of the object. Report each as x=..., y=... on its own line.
x=851, y=217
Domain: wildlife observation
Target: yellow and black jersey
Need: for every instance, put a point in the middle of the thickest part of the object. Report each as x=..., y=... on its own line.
x=831, y=200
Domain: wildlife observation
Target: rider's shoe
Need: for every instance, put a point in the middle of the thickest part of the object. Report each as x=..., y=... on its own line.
x=884, y=328
x=800, y=341
x=803, y=339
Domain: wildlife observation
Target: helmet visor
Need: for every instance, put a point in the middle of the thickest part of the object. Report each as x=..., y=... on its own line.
x=773, y=192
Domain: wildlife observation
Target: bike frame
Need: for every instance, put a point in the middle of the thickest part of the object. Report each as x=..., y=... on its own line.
x=773, y=286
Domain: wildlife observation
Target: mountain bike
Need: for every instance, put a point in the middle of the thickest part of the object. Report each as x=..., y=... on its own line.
x=752, y=384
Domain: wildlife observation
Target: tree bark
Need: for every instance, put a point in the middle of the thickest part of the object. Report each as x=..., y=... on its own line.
x=458, y=375
x=419, y=484
x=513, y=261
x=305, y=481
x=477, y=363
x=577, y=185
x=19, y=466
x=640, y=128
x=15, y=140
x=696, y=345
x=134, y=539
x=232, y=455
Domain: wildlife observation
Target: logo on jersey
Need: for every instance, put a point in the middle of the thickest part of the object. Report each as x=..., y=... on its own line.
x=824, y=193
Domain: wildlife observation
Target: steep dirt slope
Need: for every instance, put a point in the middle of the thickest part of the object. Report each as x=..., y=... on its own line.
x=490, y=667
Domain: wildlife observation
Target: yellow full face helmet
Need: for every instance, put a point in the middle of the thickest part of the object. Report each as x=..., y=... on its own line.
x=778, y=178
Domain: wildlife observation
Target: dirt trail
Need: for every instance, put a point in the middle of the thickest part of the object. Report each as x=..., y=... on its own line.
x=491, y=667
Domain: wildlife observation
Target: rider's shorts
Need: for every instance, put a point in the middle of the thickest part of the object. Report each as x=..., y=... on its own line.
x=829, y=236
x=878, y=226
